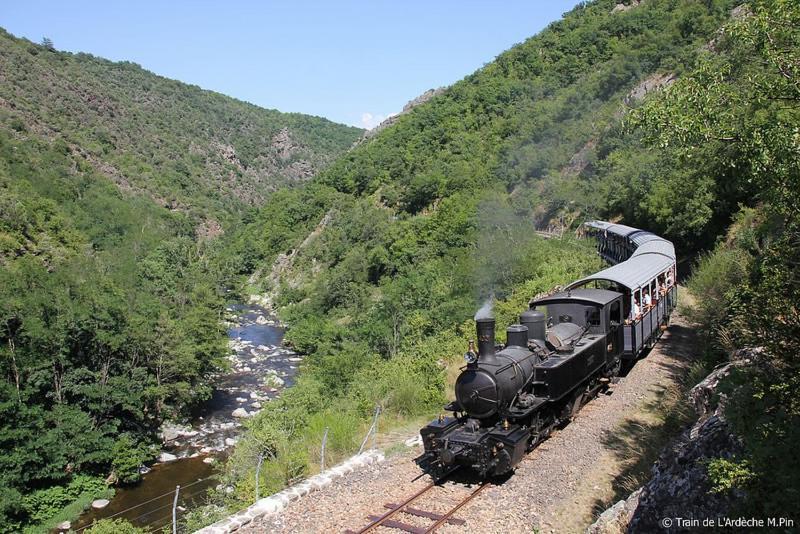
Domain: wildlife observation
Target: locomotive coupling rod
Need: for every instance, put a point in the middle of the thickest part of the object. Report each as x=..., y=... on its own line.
x=382, y=519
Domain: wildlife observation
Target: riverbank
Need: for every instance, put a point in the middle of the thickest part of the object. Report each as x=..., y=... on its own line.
x=261, y=368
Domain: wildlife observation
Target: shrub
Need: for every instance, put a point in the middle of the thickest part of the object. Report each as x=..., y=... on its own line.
x=114, y=526
x=727, y=475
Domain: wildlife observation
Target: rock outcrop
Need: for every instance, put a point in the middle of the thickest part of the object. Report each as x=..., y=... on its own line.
x=680, y=487
x=619, y=8
x=421, y=99
x=652, y=83
x=282, y=267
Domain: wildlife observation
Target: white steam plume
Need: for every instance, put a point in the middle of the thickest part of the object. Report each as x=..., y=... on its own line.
x=487, y=310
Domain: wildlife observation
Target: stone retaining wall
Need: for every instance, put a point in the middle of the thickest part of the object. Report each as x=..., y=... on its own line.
x=277, y=502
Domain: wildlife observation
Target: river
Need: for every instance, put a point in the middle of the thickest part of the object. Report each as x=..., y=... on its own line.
x=260, y=368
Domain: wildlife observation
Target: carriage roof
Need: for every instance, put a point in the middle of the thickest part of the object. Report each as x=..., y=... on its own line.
x=653, y=256
x=587, y=295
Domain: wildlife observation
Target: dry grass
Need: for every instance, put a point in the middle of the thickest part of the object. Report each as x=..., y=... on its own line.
x=640, y=438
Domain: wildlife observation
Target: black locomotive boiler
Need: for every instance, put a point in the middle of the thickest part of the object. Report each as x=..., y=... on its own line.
x=563, y=350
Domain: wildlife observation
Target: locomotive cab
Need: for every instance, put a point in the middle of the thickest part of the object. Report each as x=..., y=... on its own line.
x=581, y=315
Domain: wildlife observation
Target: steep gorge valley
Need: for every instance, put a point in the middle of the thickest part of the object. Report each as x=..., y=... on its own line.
x=134, y=209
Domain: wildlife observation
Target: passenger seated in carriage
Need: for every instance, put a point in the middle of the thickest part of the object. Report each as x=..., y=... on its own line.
x=636, y=312
x=647, y=301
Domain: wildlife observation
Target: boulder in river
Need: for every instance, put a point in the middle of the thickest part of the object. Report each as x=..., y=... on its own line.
x=171, y=431
x=262, y=320
x=167, y=457
x=66, y=525
x=99, y=504
x=230, y=442
x=208, y=460
x=274, y=381
x=240, y=412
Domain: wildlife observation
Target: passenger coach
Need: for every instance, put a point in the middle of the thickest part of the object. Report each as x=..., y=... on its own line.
x=642, y=264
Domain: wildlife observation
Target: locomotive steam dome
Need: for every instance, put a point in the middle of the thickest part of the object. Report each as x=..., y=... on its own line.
x=476, y=392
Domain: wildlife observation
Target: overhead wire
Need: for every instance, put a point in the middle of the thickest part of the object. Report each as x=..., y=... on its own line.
x=116, y=514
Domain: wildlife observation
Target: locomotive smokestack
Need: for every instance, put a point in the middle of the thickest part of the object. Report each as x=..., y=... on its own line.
x=484, y=323
x=485, y=328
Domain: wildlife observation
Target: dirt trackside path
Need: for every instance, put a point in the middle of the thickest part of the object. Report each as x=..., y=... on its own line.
x=557, y=488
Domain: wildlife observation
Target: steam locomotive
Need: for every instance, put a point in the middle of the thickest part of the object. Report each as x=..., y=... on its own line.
x=565, y=348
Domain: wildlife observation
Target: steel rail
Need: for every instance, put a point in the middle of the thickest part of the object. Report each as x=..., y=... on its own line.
x=442, y=520
x=388, y=515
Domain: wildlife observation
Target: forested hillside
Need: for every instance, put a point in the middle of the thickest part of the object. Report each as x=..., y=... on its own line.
x=114, y=183
x=188, y=149
x=379, y=262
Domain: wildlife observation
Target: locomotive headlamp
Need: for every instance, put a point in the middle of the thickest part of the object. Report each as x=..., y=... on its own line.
x=471, y=356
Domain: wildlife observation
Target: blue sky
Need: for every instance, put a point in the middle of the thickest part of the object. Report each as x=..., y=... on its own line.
x=352, y=62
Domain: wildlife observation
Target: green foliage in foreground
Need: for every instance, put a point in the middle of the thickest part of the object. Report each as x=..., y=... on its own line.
x=48, y=507
x=199, y=517
x=746, y=125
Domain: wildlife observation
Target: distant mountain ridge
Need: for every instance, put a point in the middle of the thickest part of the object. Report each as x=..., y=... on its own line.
x=184, y=147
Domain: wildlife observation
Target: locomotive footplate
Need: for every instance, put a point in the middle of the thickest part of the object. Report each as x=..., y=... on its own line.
x=487, y=450
x=511, y=444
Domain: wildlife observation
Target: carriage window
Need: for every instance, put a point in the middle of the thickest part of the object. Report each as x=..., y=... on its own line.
x=614, y=313
x=593, y=316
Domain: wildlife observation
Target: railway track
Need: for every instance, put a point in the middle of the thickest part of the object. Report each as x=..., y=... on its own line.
x=393, y=518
